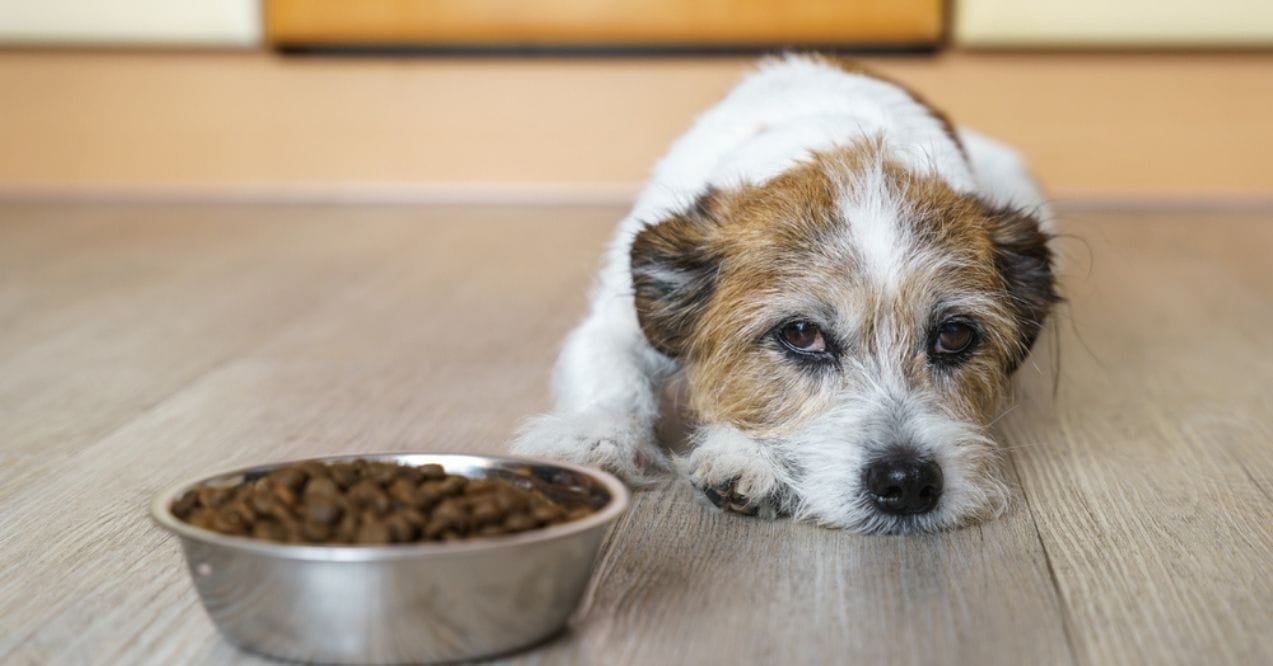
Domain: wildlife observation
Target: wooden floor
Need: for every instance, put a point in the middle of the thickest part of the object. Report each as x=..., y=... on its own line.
x=143, y=345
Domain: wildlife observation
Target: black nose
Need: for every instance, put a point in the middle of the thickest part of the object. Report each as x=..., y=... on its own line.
x=903, y=484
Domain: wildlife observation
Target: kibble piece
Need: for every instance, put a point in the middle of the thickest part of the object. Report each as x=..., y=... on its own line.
x=490, y=530
x=384, y=474
x=410, y=474
x=547, y=513
x=270, y=530
x=368, y=494
x=291, y=478
x=486, y=512
x=431, y=492
x=324, y=509
x=401, y=530
x=509, y=500
x=244, y=510
x=202, y=518
x=316, y=532
x=348, y=528
x=211, y=496
x=344, y=474
x=371, y=502
x=519, y=522
x=371, y=533
x=315, y=470
x=405, y=493
x=185, y=505
x=228, y=522
x=262, y=501
x=284, y=495
x=321, y=486
x=481, y=486
x=452, y=485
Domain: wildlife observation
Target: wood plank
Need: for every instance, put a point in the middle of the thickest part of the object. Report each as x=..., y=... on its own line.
x=141, y=301
x=382, y=365
x=612, y=23
x=1150, y=473
x=1139, y=534
x=250, y=126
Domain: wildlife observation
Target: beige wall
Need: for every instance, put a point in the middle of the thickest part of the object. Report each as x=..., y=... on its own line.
x=1070, y=23
x=1149, y=127
x=131, y=22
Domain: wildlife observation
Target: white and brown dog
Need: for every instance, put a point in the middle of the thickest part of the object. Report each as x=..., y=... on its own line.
x=846, y=284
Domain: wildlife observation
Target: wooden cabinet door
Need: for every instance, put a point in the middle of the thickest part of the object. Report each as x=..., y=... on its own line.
x=605, y=23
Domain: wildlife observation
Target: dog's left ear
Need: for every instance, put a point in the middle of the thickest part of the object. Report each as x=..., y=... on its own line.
x=674, y=265
x=1024, y=260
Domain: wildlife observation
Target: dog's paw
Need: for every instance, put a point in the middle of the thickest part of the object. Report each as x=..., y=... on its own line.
x=737, y=475
x=617, y=443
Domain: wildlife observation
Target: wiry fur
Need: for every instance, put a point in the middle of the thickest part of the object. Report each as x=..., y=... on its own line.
x=814, y=193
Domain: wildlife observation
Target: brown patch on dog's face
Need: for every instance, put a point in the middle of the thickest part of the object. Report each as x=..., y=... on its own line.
x=876, y=259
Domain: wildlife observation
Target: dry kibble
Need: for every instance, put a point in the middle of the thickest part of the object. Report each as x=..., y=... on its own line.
x=213, y=497
x=347, y=529
x=383, y=475
x=345, y=475
x=486, y=512
x=322, y=509
x=291, y=478
x=368, y=494
x=321, y=486
x=367, y=502
x=405, y=493
x=547, y=513
x=284, y=495
x=261, y=501
x=481, y=486
x=490, y=530
x=452, y=485
x=185, y=504
x=270, y=530
x=519, y=522
x=401, y=530
x=315, y=532
x=372, y=533
x=314, y=469
x=410, y=474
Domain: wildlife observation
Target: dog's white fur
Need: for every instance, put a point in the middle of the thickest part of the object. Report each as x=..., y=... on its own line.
x=608, y=376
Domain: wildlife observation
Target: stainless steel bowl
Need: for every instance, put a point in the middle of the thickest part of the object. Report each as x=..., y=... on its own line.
x=401, y=603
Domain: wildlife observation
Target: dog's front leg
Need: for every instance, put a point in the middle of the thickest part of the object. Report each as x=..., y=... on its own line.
x=738, y=474
x=605, y=384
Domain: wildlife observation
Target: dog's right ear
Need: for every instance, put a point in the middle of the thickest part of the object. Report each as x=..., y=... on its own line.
x=674, y=265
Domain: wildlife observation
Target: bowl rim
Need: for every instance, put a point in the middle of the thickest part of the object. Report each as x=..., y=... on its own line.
x=620, y=497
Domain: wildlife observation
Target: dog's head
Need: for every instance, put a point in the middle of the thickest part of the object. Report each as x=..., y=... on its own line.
x=862, y=321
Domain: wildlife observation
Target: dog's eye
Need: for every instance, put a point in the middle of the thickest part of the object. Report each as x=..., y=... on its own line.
x=954, y=337
x=803, y=337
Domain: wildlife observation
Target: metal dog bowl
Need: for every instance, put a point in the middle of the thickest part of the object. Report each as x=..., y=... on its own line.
x=401, y=603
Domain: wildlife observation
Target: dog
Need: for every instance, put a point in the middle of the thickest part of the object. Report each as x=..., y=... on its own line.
x=845, y=284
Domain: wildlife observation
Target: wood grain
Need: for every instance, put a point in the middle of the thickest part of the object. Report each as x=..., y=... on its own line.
x=610, y=23
x=146, y=344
